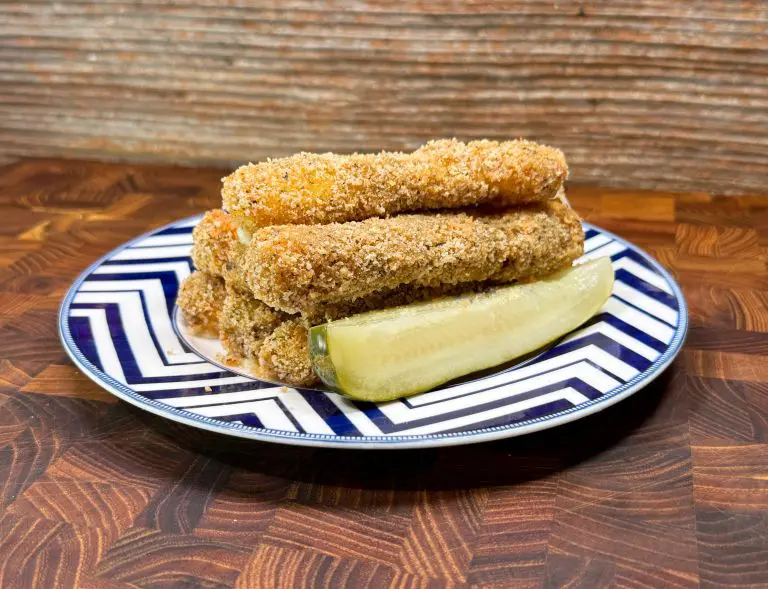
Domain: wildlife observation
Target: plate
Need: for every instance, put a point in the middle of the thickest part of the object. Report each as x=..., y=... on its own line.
x=119, y=325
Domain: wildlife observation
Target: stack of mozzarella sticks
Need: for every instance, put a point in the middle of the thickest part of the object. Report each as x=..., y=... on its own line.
x=318, y=237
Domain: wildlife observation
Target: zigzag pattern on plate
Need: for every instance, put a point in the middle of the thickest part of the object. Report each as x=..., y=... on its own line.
x=121, y=320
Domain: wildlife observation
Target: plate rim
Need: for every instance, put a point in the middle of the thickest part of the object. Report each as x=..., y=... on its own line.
x=404, y=442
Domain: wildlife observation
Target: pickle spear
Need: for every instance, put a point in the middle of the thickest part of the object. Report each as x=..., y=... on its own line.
x=384, y=355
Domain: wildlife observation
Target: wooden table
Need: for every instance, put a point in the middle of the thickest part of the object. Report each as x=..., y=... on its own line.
x=668, y=488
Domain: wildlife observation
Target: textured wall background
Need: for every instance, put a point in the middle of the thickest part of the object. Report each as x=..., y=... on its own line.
x=639, y=93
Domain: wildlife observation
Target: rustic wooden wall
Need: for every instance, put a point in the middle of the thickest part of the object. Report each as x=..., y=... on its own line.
x=639, y=93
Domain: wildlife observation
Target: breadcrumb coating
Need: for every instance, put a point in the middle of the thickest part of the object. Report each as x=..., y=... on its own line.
x=284, y=355
x=244, y=323
x=538, y=243
x=200, y=299
x=309, y=188
x=216, y=248
x=213, y=238
x=302, y=268
x=233, y=272
x=295, y=268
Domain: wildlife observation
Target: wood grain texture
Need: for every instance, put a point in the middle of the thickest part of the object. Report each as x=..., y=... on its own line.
x=669, y=488
x=665, y=95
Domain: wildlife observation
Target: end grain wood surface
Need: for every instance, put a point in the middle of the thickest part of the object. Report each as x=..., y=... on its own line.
x=642, y=93
x=666, y=489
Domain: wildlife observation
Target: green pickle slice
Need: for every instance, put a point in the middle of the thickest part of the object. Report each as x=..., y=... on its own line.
x=384, y=355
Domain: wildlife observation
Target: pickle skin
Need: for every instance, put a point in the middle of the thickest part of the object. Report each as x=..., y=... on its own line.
x=429, y=316
x=320, y=358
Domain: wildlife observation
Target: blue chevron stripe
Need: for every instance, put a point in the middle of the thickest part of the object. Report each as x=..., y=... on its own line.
x=631, y=331
x=108, y=263
x=181, y=379
x=183, y=391
x=152, y=260
x=635, y=256
x=605, y=343
x=80, y=328
x=174, y=231
x=167, y=279
x=168, y=282
x=385, y=424
x=524, y=415
x=124, y=350
x=647, y=289
x=289, y=414
x=252, y=420
x=249, y=419
x=644, y=312
x=337, y=420
x=481, y=389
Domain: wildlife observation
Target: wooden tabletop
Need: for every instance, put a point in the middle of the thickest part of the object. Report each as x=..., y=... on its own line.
x=668, y=488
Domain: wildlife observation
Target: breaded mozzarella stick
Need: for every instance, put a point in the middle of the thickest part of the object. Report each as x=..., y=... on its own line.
x=200, y=298
x=326, y=188
x=301, y=268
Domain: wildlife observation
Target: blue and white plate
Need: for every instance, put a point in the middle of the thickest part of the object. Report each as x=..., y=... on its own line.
x=119, y=325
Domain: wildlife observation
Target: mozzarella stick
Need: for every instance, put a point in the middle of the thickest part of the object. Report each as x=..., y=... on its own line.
x=200, y=299
x=213, y=239
x=302, y=268
x=217, y=249
x=539, y=242
x=244, y=323
x=284, y=355
x=326, y=188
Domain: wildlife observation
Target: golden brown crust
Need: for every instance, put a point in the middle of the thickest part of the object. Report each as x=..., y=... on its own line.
x=234, y=273
x=200, y=299
x=302, y=268
x=284, y=355
x=309, y=188
x=213, y=237
x=538, y=244
x=244, y=323
x=295, y=268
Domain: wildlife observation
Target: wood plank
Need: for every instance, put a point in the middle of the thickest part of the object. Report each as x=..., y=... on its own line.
x=725, y=365
x=636, y=94
x=67, y=381
x=732, y=477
